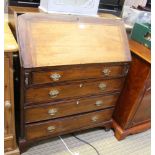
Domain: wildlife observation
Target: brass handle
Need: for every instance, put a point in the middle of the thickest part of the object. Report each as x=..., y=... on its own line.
x=102, y=86
x=55, y=76
x=99, y=103
x=51, y=128
x=53, y=93
x=94, y=118
x=106, y=71
x=7, y=104
x=53, y=111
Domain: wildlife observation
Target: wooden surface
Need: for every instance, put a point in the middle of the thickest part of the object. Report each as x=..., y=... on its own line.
x=10, y=44
x=61, y=109
x=9, y=120
x=38, y=130
x=79, y=79
x=71, y=90
x=17, y=9
x=79, y=91
x=134, y=105
x=70, y=34
x=121, y=133
x=67, y=73
x=140, y=50
x=14, y=11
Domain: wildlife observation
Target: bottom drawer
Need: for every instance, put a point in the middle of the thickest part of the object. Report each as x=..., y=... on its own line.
x=68, y=124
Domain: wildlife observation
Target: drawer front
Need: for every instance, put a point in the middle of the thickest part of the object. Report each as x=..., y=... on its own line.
x=68, y=124
x=7, y=98
x=69, y=108
x=76, y=73
x=52, y=93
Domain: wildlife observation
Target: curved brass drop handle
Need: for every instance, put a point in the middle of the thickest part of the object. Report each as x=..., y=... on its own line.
x=106, y=71
x=102, y=86
x=50, y=128
x=52, y=111
x=53, y=93
x=99, y=103
x=94, y=118
x=55, y=76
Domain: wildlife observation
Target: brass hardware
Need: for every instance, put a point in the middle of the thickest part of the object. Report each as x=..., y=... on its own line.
x=51, y=128
x=55, y=76
x=7, y=104
x=53, y=93
x=26, y=78
x=106, y=71
x=77, y=102
x=102, y=86
x=94, y=118
x=53, y=111
x=81, y=85
x=125, y=70
x=26, y=81
x=99, y=103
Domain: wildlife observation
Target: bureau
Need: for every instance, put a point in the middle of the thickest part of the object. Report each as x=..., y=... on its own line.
x=72, y=73
x=133, y=110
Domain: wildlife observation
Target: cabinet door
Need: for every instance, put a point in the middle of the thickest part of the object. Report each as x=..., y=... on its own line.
x=7, y=98
x=144, y=110
x=9, y=132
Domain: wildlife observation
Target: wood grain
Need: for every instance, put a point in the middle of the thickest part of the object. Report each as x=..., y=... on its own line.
x=37, y=95
x=9, y=120
x=37, y=130
x=39, y=113
x=10, y=44
x=120, y=133
x=70, y=40
x=133, y=109
x=76, y=73
x=133, y=92
x=140, y=50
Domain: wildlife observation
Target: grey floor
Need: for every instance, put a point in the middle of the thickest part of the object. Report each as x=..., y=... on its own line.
x=104, y=142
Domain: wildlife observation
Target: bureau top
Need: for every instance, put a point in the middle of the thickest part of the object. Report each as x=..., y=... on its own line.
x=53, y=40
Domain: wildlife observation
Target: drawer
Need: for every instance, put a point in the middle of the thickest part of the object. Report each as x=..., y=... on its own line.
x=48, y=93
x=76, y=73
x=61, y=109
x=68, y=124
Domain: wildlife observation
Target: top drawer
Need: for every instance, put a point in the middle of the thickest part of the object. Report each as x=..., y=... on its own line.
x=68, y=73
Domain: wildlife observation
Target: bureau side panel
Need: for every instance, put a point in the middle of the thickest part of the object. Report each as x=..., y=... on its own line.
x=132, y=93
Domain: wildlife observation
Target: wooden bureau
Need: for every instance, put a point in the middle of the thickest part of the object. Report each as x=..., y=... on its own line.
x=10, y=46
x=70, y=77
x=133, y=110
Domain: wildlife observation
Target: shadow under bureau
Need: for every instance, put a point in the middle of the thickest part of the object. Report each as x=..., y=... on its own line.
x=73, y=69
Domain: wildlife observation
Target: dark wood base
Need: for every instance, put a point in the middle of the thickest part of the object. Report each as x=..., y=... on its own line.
x=120, y=133
x=24, y=144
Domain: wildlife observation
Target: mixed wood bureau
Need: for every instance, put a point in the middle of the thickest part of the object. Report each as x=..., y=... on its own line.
x=10, y=46
x=133, y=110
x=73, y=69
